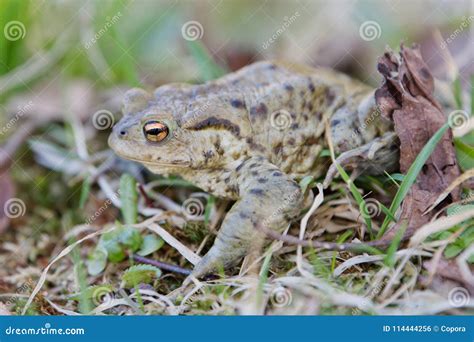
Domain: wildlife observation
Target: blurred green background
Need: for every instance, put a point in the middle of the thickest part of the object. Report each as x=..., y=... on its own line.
x=141, y=42
x=63, y=59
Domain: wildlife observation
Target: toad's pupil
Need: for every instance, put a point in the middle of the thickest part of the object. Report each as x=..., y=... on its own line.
x=155, y=131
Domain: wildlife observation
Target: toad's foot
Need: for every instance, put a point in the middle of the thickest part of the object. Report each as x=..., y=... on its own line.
x=373, y=158
x=268, y=199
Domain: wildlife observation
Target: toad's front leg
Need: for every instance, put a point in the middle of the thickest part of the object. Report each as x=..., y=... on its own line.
x=268, y=199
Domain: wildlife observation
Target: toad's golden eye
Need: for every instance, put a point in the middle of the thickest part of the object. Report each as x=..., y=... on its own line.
x=155, y=131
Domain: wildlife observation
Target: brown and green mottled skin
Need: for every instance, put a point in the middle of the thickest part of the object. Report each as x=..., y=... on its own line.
x=226, y=137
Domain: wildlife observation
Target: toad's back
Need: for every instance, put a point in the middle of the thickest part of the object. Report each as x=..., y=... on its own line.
x=286, y=106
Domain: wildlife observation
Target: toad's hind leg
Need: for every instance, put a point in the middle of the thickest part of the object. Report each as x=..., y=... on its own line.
x=364, y=139
x=375, y=157
x=268, y=199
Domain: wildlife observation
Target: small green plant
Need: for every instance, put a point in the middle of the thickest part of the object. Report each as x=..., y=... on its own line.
x=93, y=293
x=464, y=240
x=140, y=274
x=116, y=245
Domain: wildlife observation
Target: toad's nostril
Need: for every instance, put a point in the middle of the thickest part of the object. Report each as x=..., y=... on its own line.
x=122, y=133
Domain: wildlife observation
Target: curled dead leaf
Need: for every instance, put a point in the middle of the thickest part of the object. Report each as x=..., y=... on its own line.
x=406, y=97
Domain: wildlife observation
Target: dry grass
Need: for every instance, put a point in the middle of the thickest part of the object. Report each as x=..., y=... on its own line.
x=282, y=280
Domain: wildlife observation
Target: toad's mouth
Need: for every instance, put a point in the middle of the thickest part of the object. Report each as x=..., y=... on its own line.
x=155, y=163
x=178, y=163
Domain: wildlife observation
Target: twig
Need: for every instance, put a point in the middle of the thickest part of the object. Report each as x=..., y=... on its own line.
x=333, y=246
x=148, y=200
x=162, y=265
x=423, y=232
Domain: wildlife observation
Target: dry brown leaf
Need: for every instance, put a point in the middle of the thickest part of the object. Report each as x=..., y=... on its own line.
x=406, y=98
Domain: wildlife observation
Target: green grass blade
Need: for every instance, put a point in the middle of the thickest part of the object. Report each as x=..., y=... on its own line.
x=85, y=191
x=364, y=248
x=207, y=66
x=389, y=259
x=411, y=175
x=207, y=212
x=79, y=269
x=357, y=196
x=472, y=95
x=464, y=153
x=85, y=305
x=306, y=183
x=129, y=199
x=457, y=92
x=394, y=177
x=342, y=238
x=320, y=267
x=387, y=212
x=263, y=278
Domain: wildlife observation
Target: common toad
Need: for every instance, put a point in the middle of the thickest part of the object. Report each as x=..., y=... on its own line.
x=250, y=136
